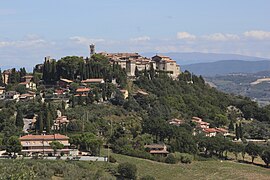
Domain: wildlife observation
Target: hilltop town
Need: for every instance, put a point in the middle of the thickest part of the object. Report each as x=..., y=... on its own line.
x=78, y=108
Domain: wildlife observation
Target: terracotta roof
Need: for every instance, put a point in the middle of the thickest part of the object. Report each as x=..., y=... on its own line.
x=97, y=80
x=222, y=130
x=66, y=80
x=24, y=83
x=83, y=90
x=44, y=137
x=27, y=76
x=210, y=130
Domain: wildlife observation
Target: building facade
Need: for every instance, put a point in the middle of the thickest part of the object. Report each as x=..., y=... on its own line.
x=40, y=144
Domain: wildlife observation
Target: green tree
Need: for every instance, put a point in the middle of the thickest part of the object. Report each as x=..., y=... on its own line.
x=127, y=170
x=55, y=145
x=266, y=156
x=19, y=119
x=40, y=123
x=231, y=126
x=221, y=120
x=1, y=79
x=253, y=150
x=13, y=145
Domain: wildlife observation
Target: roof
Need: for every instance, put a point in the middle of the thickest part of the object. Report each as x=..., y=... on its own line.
x=44, y=137
x=159, y=152
x=66, y=80
x=153, y=146
x=209, y=130
x=142, y=92
x=97, y=80
x=2, y=88
x=83, y=90
x=27, y=76
x=24, y=83
x=222, y=130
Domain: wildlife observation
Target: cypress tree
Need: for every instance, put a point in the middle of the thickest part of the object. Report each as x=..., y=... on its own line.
x=237, y=131
x=1, y=79
x=240, y=131
x=48, y=122
x=19, y=119
x=40, y=124
x=231, y=126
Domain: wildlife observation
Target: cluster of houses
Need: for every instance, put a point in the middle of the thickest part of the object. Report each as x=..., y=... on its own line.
x=132, y=61
x=26, y=81
x=201, y=127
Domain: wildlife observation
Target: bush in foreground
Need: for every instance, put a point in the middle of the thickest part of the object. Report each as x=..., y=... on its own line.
x=127, y=170
x=170, y=159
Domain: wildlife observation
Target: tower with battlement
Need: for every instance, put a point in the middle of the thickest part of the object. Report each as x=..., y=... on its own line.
x=92, y=49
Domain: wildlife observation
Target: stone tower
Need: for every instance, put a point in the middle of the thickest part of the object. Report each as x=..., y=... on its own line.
x=92, y=49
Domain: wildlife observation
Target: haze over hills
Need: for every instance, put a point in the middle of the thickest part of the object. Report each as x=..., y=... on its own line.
x=197, y=57
x=227, y=67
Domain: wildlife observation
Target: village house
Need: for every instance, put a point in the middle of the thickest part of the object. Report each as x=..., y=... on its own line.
x=82, y=91
x=160, y=149
x=13, y=95
x=40, y=144
x=125, y=93
x=64, y=83
x=165, y=63
x=93, y=81
x=176, y=122
x=200, y=123
x=214, y=131
x=29, y=123
x=5, y=75
x=60, y=121
x=27, y=79
x=29, y=85
x=2, y=90
x=27, y=96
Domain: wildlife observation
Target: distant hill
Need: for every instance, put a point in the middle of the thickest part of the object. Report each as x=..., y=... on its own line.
x=227, y=67
x=196, y=57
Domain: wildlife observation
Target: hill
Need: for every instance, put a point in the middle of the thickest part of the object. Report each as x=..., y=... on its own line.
x=227, y=67
x=197, y=57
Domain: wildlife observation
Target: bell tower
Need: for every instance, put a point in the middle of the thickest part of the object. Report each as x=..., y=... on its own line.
x=92, y=49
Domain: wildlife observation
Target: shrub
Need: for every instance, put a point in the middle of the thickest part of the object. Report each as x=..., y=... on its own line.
x=112, y=159
x=127, y=170
x=186, y=158
x=170, y=159
x=183, y=157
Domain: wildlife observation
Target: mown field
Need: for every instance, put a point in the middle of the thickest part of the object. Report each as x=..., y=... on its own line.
x=59, y=170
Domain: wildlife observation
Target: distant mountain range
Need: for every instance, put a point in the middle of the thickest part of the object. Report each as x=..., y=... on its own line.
x=196, y=57
x=227, y=67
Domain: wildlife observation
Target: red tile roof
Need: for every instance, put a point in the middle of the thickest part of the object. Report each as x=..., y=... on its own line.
x=209, y=130
x=83, y=90
x=44, y=137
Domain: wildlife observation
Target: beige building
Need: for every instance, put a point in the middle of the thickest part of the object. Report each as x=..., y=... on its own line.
x=41, y=143
x=131, y=61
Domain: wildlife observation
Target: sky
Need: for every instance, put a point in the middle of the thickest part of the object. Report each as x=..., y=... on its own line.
x=31, y=29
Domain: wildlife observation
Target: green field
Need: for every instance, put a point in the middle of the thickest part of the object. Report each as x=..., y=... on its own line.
x=59, y=170
x=197, y=170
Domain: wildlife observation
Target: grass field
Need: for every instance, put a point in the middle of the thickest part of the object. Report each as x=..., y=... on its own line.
x=197, y=170
x=211, y=169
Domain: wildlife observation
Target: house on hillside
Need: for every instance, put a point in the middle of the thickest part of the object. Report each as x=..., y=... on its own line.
x=13, y=95
x=27, y=79
x=2, y=90
x=40, y=144
x=200, y=123
x=160, y=149
x=93, y=81
x=125, y=93
x=60, y=121
x=29, y=85
x=82, y=91
x=64, y=83
x=176, y=122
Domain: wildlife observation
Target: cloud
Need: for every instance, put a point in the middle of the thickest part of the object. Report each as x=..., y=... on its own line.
x=221, y=37
x=85, y=40
x=140, y=39
x=28, y=41
x=185, y=36
x=257, y=34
